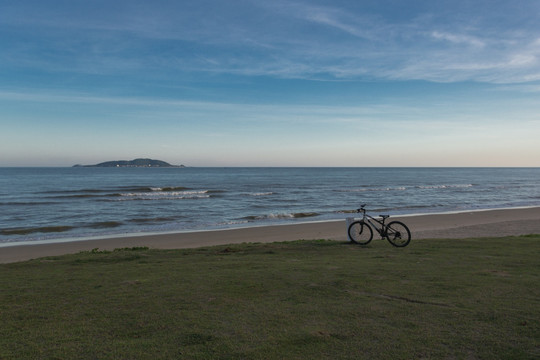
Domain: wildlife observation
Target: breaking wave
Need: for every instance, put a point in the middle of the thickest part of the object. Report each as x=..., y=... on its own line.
x=261, y=193
x=281, y=216
x=60, y=228
x=400, y=188
x=32, y=230
x=166, y=195
x=403, y=188
x=444, y=186
x=123, y=193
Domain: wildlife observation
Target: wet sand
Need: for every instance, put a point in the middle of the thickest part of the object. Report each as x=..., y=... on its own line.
x=487, y=223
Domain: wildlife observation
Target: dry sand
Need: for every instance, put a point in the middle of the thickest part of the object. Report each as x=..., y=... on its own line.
x=486, y=223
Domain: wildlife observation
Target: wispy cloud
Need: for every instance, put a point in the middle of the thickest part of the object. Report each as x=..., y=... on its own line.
x=523, y=88
x=422, y=48
x=287, y=39
x=162, y=109
x=458, y=38
x=356, y=25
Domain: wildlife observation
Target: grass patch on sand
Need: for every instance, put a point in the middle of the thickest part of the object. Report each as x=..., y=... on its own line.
x=472, y=298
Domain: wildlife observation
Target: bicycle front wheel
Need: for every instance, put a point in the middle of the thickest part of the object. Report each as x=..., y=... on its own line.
x=360, y=232
x=398, y=234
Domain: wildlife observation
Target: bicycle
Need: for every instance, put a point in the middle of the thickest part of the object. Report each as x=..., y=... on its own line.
x=361, y=231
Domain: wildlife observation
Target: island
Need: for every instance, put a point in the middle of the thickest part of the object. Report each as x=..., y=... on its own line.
x=133, y=163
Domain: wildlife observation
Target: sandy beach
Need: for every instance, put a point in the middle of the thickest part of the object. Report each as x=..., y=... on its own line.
x=500, y=222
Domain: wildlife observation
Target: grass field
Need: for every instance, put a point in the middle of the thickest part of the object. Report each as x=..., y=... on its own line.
x=454, y=299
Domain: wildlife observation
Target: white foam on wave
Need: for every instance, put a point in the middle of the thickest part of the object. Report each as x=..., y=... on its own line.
x=402, y=188
x=261, y=194
x=399, y=188
x=166, y=195
x=444, y=186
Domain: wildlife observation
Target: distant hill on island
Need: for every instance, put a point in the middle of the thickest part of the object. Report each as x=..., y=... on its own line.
x=132, y=163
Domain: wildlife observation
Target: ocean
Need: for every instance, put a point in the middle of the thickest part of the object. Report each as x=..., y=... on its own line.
x=56, y=204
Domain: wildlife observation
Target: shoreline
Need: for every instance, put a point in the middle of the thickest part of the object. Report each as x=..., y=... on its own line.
x=471, y=223
x=113, y=236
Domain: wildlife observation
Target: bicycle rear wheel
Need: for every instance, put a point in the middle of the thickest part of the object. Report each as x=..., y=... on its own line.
x=398, y=234
x=360, y=232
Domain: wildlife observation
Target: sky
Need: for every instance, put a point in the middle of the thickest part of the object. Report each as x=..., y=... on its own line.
x=270, y=83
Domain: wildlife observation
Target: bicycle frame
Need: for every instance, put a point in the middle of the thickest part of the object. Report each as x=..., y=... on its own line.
x=382, y=230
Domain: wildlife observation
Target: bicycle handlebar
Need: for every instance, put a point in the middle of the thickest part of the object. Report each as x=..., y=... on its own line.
x=361, y=208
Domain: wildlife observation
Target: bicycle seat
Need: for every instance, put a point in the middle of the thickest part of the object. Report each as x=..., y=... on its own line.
x=384, y=216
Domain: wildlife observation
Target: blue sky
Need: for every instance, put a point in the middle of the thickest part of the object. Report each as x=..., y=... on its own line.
x=270, y=83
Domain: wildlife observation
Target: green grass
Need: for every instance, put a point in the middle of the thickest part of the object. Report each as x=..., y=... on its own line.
x=455, y=299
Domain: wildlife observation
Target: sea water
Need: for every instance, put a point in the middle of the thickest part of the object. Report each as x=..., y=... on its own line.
x=51, y=204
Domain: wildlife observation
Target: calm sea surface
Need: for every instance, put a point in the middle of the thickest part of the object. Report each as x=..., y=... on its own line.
x=48, y=204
